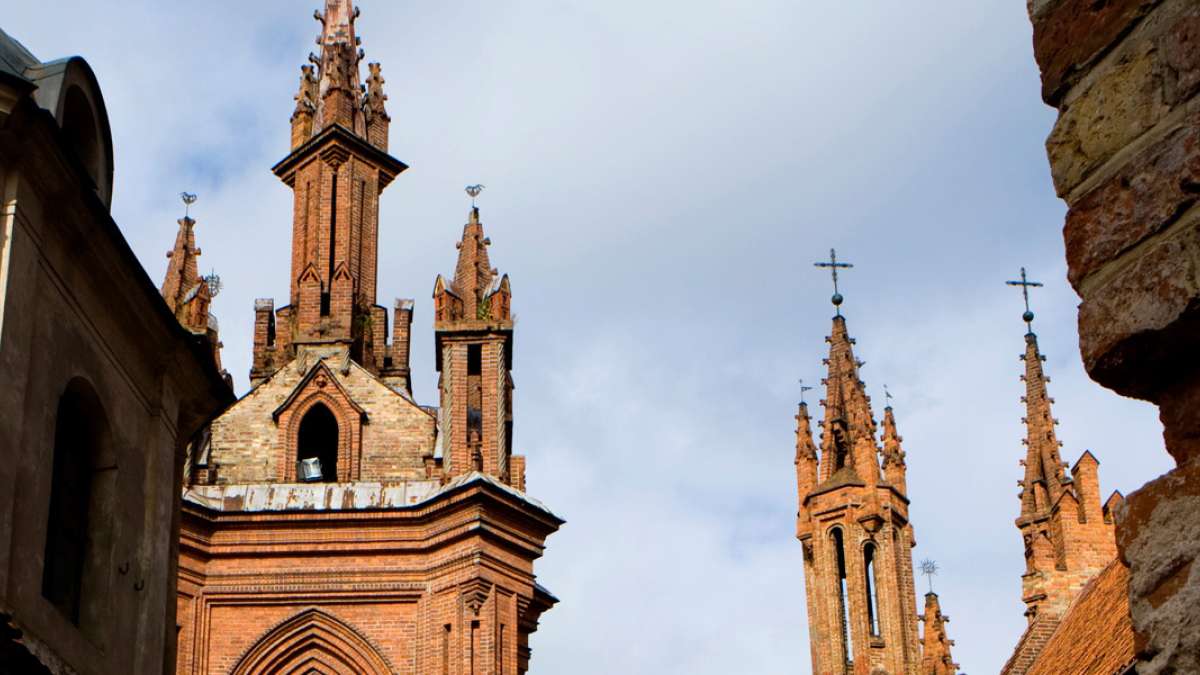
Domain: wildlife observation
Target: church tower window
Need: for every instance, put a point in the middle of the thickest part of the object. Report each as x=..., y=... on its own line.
x=318, y=439
x=839, y=550
x=872, y=589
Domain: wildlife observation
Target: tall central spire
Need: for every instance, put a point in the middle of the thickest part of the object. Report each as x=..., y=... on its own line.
x=337, y=169
x=338, y=87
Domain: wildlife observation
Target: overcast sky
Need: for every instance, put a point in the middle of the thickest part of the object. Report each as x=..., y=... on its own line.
x=660, y=178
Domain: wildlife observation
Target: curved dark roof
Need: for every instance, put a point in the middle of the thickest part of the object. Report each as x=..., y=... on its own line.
x=15, y=58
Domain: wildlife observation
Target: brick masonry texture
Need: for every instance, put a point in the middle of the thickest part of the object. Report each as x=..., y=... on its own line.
x=417, y=553
x=1125, y=77
x=857, y=541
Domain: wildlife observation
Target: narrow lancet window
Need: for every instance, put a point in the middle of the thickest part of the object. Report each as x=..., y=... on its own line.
x=843, y=595
x=872, y=591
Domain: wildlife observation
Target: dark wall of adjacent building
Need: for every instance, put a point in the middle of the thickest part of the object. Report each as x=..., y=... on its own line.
x=100, y=389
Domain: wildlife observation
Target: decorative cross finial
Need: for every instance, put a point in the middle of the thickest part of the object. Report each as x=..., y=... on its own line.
x=1025, y=285
x=887, y=396
x=214, y=284
x=188, y=199
x=474, y=191
x=802, y=390
x=930, y=569
x=833, y=266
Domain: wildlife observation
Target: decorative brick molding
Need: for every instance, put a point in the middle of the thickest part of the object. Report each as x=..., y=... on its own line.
x=313, y=640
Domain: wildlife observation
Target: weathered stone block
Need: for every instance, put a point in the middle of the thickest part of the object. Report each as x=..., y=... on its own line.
x=1119, y=107
x=1158, y=532
x=1146, y=196
x=1126, y=96
x=1070, y=35
x=1123, y=323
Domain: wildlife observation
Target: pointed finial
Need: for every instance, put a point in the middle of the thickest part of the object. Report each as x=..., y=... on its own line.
x=1025, y=285
x=833, y=266
x=930, y=569
x=887, y=397
x=188, y=199
x=473, y=191
x=802, y=390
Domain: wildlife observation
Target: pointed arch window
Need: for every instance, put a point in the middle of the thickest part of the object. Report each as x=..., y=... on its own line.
x=83, y=495
x=842, y=593
x=318, y=440
x=871, y=588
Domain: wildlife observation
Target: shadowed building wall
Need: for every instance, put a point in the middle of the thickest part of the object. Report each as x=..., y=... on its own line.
x=101, y=391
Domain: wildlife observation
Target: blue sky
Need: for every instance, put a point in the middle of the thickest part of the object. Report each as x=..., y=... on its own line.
x=661, y=177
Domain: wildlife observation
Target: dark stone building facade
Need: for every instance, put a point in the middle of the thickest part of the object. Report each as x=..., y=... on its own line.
x=101, y=390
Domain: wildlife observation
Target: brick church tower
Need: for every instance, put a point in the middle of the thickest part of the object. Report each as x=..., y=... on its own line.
x=330, y=523
x=1067, y=532
x=854, y=528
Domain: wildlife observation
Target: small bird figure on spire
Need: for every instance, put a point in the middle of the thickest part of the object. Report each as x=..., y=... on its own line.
x=473, y=191
x=1025, y=285
x=833, y=265
x=188, y=199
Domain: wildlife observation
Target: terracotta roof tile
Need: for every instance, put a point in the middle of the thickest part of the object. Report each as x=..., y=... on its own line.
x=1095, y=637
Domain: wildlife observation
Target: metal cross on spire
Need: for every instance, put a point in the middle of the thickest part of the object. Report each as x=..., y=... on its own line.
x=930, y=569
x=473, y=191
x=833, y=265
x=802, y=390
x=188, y=199
x=1025, y=285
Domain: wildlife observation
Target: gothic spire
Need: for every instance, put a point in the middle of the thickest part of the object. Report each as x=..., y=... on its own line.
x=894, y=469
x=1044, y=475
x=183, y=269
x=848, y=432
x=806, y=452
x=473, y=275
x=339, y=87
x=936, y=656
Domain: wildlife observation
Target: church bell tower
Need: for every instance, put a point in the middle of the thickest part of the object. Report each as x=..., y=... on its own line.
x=853, y=525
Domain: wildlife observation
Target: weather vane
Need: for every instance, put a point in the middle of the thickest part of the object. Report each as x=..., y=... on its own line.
x=929, y=568
x=474, y=191
x=802, y=390
x=833, y=266
x=188, y=199
x=1025, y=285
x=887, y=396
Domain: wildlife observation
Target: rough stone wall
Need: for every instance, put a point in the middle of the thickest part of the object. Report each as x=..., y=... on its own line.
x=250, y=446
x=1125, y=155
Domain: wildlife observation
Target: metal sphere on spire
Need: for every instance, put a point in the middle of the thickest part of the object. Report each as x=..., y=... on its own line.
x=1025, y=285
x=833, y=265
